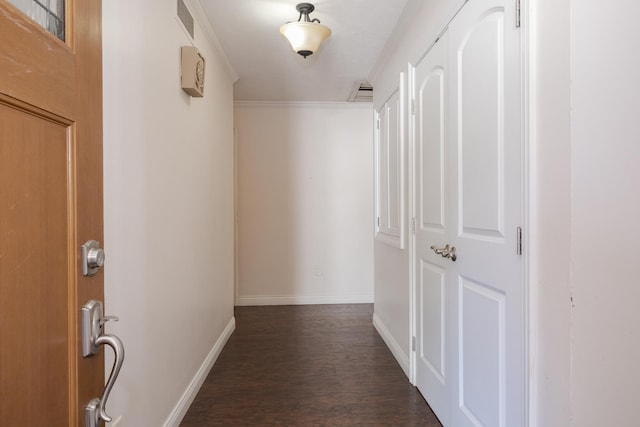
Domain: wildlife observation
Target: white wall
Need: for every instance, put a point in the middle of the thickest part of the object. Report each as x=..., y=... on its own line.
x=605, y=151
x=588, y=205
x=304, y=203
x=168, y=181
x=550, y=237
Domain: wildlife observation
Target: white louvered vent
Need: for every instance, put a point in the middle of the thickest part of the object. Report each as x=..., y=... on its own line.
x=362, y=92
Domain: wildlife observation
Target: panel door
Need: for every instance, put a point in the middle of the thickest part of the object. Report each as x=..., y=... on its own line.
x=50, y=203
x=435, y=299
x=486, y=205
x=389, y=185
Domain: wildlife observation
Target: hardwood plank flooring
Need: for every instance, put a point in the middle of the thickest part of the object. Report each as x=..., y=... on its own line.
x=311, y=365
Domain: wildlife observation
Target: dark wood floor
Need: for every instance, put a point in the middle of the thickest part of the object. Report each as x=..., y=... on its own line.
x=313, y=365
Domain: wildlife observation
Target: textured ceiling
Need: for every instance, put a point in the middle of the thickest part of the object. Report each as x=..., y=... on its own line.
x=269, y=70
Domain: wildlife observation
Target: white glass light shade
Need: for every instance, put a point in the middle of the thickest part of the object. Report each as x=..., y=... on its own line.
x=305, y=37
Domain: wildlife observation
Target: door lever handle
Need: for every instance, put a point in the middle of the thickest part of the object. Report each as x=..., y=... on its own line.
x=93, y=337
x=439, y=251
x=116, y=344
x=446, y=252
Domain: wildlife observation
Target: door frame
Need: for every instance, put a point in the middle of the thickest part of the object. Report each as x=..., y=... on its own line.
x=529, y=206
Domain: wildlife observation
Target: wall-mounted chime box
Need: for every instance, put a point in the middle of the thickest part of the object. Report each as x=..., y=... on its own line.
x=192, y=71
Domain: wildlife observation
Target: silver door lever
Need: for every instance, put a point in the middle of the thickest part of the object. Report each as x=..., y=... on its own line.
x=116, y=344
x=93, y=337
x=446, y=252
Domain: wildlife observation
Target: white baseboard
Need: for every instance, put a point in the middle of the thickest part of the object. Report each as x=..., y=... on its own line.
x=303, y=300
x=396, y=350
x=181, y=408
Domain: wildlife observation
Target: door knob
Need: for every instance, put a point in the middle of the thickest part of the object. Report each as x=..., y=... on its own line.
x=446, y=252
x=92, y=258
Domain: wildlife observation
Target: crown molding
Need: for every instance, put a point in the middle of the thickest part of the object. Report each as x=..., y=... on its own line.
x=303, y=104
x=196, y=9
x=394, y=39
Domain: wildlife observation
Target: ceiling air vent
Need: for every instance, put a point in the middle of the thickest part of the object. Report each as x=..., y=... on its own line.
x=362, y=92
x=185, y=17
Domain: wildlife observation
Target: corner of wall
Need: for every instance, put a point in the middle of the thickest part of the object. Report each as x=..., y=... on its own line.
x=401, y=357
x=195, y=6
x=181, y=408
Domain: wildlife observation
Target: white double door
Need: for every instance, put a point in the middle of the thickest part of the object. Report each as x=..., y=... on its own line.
x=467, y=180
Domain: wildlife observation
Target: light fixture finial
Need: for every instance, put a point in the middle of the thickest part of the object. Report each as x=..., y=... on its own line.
x=305, y=35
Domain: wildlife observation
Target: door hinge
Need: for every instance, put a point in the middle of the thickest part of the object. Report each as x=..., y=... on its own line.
x=517, y=13
x=413, y=225
x=519, y=243
x=378, y=221
x=413, y=343
x=413, y=107
x=378, y=124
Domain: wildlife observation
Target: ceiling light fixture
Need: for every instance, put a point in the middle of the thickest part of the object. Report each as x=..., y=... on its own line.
x=305, y=35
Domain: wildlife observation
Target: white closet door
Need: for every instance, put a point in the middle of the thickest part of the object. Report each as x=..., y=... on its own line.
x=486, y=204
x=389, y=184
x=435, y=299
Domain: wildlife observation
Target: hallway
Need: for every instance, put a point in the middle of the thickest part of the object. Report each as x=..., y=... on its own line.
x=310, y=365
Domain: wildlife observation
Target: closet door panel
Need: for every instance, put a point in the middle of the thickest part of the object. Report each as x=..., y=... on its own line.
x=486, y=197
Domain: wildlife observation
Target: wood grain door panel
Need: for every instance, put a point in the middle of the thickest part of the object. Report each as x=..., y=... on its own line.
x=36, y=267
x=50, y=204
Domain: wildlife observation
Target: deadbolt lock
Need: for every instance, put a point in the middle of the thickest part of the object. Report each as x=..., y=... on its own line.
x=92, y=258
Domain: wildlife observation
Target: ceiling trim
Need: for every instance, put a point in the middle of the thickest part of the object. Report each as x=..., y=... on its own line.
x=408, y=27
x=195, y=6
x=303, y=104
x=391, y=45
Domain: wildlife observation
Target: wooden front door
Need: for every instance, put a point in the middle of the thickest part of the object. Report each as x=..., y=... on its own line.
x=50, y=204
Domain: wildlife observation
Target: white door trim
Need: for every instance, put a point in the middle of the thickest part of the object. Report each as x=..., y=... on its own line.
x=529, y=121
